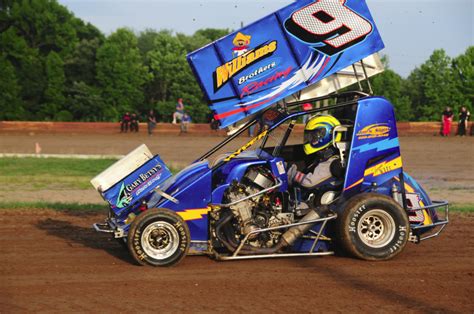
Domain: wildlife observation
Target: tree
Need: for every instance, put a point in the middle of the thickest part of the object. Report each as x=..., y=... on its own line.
x=201, y=38
x=86, y=103
x=463, y=72
x=29, y=31
x=391, y=85
x=431, y=87
x=121, y=73
x=191, y=43
x=87, y=31
x=212, y=34
x=54, y=93
x=81, y=64
x=44, y=24
x=167, y=62
x=146, y=40
x=29, y=69
x=10, y=101
x=173, y=79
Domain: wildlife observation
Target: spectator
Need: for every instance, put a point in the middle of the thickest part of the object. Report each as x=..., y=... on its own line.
x=125, y=122
x=134, y=122
x=151, y=121
x=447, y=121
x=306, y=107
x=178, y=114
x=186, y=119
x=463, y=121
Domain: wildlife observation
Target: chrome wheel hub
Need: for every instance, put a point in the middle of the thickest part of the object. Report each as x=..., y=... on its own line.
x=160, y=240
x=376, y=228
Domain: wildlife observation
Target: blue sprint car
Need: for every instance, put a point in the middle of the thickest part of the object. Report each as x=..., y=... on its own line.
x=245, y=203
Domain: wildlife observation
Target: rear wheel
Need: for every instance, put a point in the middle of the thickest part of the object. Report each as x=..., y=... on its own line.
x=373, y=227
x=158, y=237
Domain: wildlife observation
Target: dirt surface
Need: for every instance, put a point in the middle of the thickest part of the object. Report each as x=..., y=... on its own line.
x=53, y=261
x=444, y=166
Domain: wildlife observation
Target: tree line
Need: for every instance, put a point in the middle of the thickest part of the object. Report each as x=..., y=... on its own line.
x=56, y=67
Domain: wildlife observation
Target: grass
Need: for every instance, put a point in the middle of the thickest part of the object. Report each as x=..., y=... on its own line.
x=34, y=174
x=50, y=173
x=465, y=208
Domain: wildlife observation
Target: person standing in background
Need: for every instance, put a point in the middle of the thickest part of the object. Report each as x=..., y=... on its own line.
x=134, y=123
x=186, y=119
x=151, y=121
x=125, y=122
x=178, y=114
x=447, y=121
x=463, y=121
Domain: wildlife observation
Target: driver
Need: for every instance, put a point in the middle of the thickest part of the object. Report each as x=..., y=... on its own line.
x=318, y=138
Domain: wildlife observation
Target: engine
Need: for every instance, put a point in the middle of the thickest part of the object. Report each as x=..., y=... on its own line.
x=262, y=211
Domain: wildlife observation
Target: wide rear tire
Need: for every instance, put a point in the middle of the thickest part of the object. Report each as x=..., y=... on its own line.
x=158, y=237
x=373, y=227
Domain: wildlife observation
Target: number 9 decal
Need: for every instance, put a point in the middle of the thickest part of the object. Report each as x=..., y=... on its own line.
x=330, y=23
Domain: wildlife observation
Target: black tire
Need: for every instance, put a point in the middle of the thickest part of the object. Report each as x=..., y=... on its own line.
x=158, y=237
x=373, y=227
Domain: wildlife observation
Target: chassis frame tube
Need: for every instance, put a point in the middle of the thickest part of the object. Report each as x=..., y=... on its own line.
x=324, y=220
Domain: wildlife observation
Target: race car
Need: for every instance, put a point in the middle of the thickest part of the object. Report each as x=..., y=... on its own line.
x=335, y=186
x=242, y=204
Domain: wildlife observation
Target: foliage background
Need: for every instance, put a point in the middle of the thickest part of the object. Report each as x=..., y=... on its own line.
x=56, y=67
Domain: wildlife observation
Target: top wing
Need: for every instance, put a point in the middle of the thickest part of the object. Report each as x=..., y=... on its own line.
x=282, y=54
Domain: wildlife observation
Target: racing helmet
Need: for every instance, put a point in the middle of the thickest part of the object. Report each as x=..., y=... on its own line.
x=318, y=133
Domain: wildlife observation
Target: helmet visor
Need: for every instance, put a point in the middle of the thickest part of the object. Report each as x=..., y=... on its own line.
x=315, y=136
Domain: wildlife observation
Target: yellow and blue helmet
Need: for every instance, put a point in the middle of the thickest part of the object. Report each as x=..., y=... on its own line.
x=318, y=133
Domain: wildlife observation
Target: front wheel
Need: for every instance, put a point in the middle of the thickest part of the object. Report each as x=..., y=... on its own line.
x=158, y=237
x=373, y=227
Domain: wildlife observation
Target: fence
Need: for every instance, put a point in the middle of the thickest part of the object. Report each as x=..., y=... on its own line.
x=404, y=128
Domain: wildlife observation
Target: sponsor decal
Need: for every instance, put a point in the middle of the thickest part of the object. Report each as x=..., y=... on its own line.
x=374, y=131
x=384, y=167
x=225, y=72
x=143, y=181
x=255, y=86
x=256, y=73
x=329, y=25
x=241, y=44
x=246, y=146
x=124, y=198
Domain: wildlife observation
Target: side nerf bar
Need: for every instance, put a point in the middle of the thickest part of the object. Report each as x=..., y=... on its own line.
x=440, y=224
x=109, y=226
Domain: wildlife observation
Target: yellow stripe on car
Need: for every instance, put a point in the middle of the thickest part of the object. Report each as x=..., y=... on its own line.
x=384, y=167
x=193, y=214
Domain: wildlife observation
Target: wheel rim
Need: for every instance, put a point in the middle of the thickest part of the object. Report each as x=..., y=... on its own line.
x=376, y=228
x=160, y=240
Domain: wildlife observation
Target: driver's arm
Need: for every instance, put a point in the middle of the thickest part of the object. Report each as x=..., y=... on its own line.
x=310, y=180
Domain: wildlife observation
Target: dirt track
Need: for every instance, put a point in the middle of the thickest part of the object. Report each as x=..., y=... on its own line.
x=53, y=261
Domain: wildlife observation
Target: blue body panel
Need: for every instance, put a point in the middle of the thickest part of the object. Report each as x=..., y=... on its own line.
x=192, y=188
x=374, y=156
x=277, y=59
x=130, y=190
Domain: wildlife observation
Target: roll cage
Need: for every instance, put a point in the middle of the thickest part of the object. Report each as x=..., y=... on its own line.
x=288, y=112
